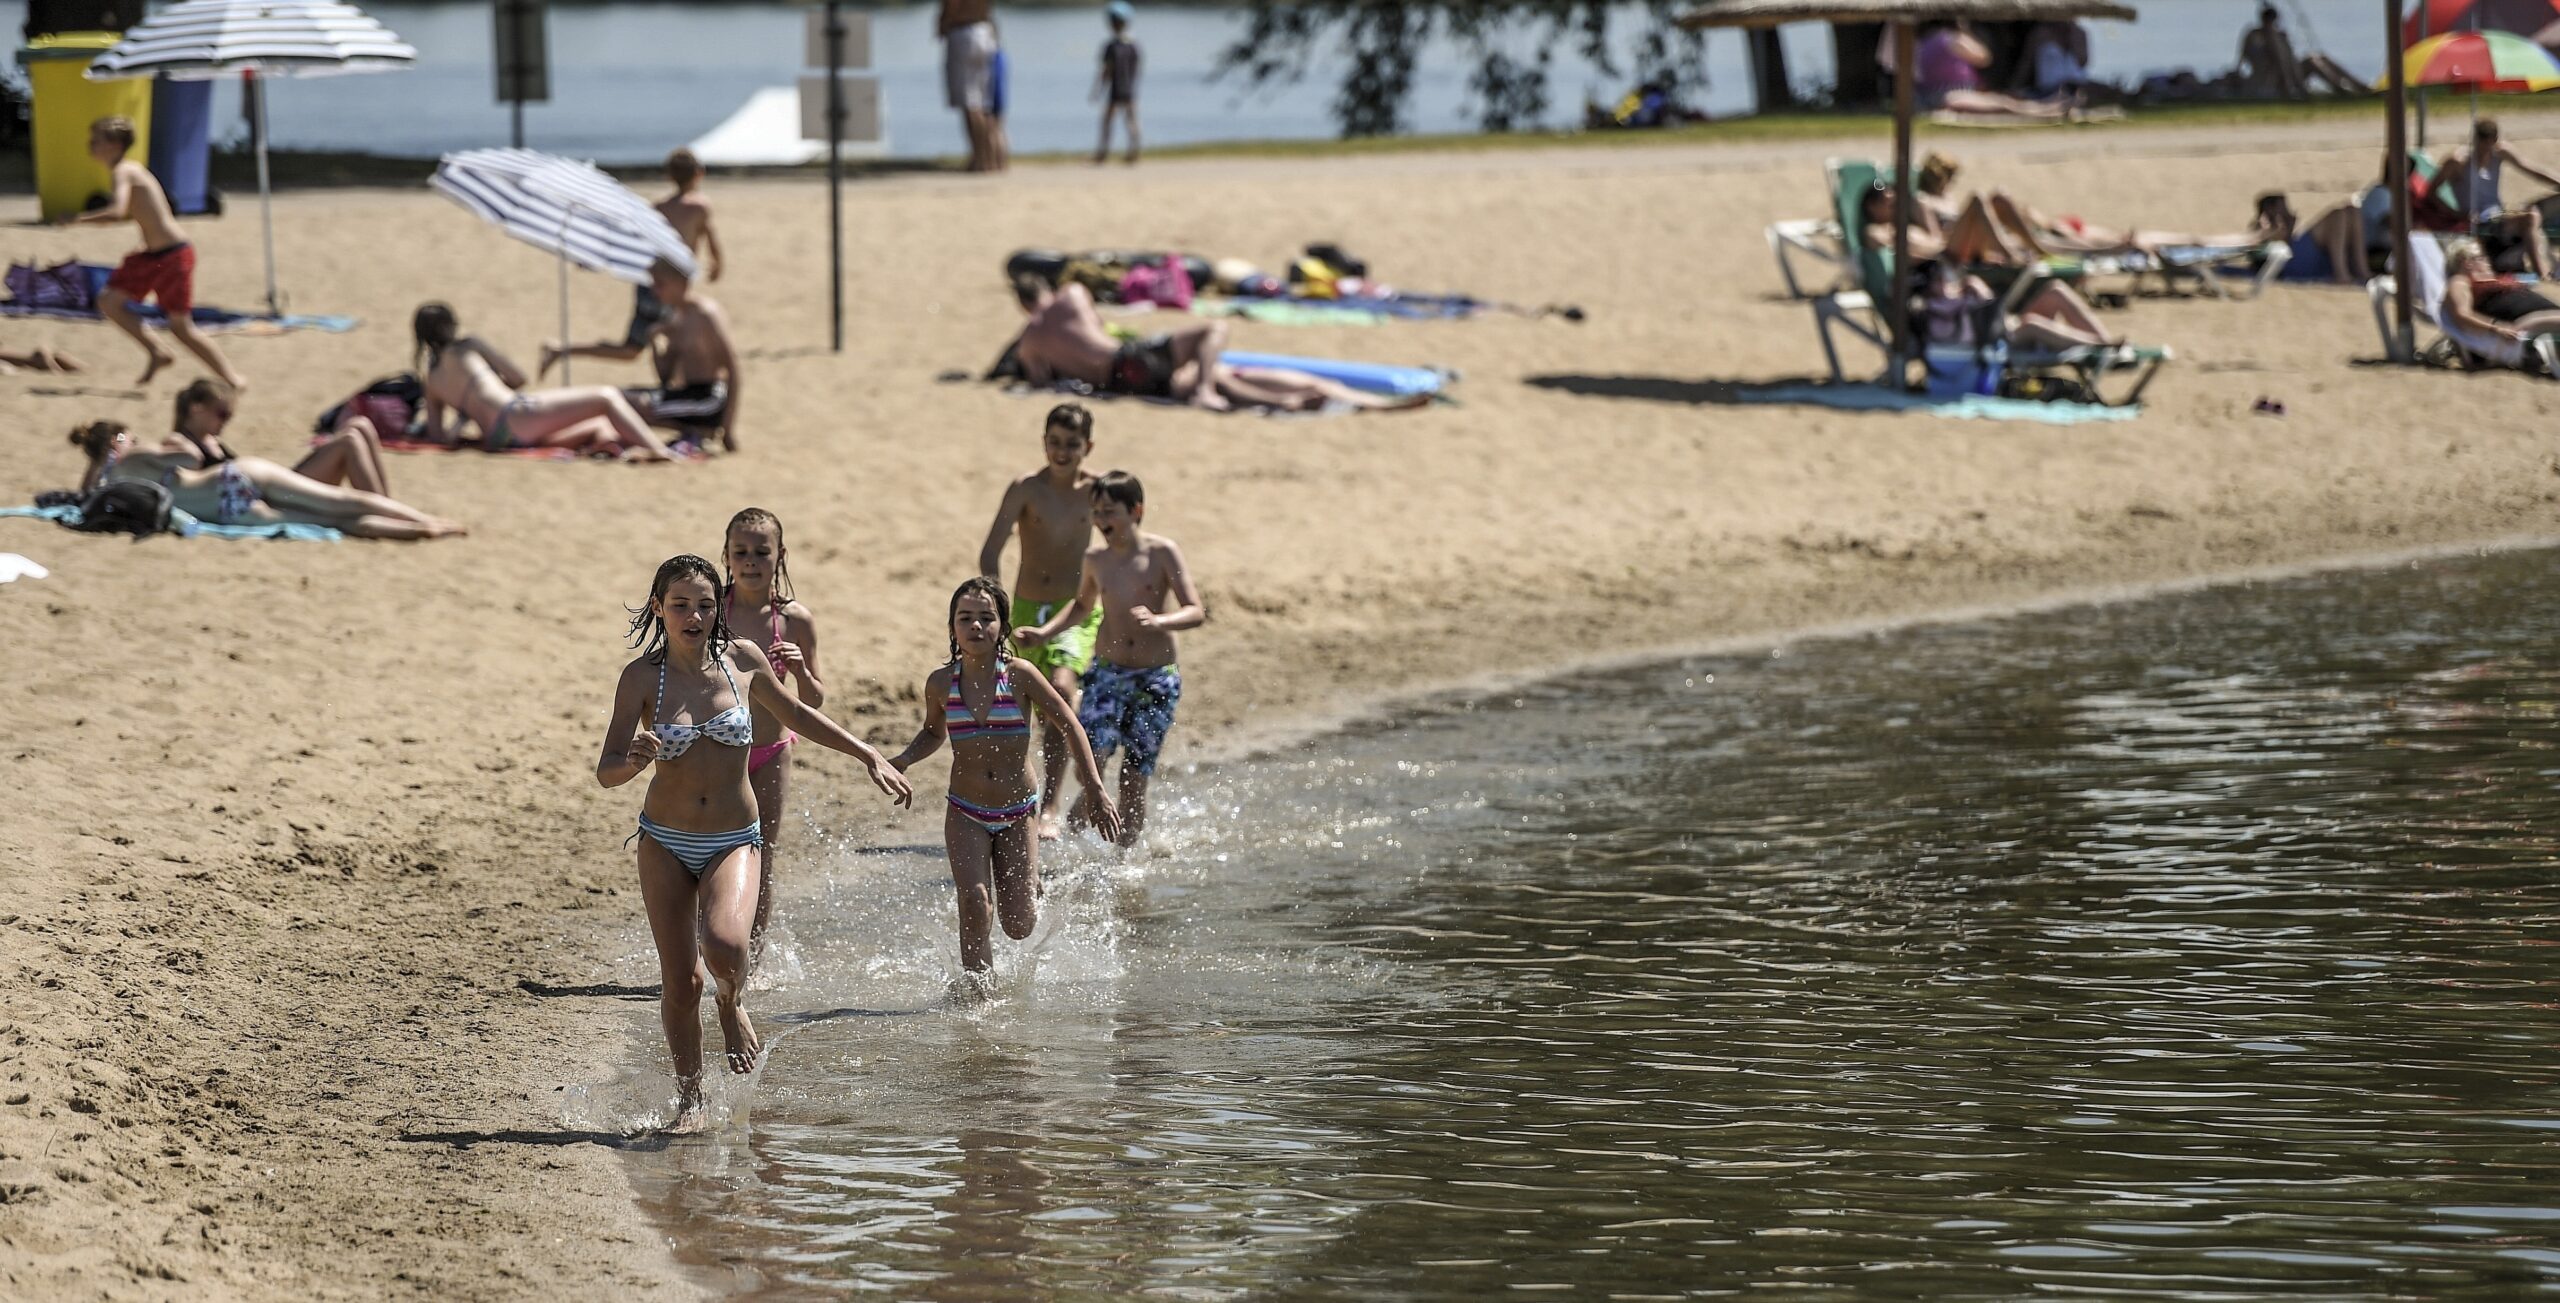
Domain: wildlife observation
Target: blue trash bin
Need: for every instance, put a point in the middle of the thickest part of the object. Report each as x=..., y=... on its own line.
x=182, y=141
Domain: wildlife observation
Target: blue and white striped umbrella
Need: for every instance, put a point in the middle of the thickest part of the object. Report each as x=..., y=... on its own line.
x=199, y=40
x=564, y=207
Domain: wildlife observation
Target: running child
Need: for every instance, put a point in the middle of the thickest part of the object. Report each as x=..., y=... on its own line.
x=686, y=706
x=1051, y=511
x=164, y=268
x=976, y=701
x=761, y=601
x=1138, y=581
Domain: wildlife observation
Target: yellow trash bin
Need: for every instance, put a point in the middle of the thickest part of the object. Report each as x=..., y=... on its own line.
x=66, y=102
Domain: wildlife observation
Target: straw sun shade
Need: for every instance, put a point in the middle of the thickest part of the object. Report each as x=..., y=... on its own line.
x=1771, y=13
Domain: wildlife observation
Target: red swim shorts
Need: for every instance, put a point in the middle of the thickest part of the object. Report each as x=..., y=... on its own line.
x=167, y=275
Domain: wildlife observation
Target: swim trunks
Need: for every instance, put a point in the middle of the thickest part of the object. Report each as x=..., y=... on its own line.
x=1132, y=708
x=166, y=275
x=703, y=406
x=647, y=310
x=1072, y=648
x=968, y=67
x=1143, y=367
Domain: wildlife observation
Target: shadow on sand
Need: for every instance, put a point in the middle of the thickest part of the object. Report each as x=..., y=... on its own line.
x=614, y=989
x=538, y=1139
x=1664, y=389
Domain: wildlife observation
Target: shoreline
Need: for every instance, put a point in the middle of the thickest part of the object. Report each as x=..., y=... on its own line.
x=308, y=902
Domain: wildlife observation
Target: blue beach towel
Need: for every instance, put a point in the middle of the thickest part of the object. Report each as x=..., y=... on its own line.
x=1871, y=398
x=186, y=526
x=1400, y=381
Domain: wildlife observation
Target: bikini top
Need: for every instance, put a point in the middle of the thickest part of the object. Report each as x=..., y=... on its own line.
x=734, y=727
x=1004, y=714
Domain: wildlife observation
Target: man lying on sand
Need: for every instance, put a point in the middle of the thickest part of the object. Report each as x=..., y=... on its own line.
x=1068, y=340
x=698, y=382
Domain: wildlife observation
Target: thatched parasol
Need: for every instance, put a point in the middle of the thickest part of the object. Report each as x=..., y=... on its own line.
x=1905, y=16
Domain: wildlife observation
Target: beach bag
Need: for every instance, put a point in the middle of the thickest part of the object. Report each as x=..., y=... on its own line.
x=1959, y=371
x=390, y=403
x=66, y=286
x=1166, y=284
x=136, y=507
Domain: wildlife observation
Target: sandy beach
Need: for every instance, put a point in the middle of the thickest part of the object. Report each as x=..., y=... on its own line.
x=306, y=886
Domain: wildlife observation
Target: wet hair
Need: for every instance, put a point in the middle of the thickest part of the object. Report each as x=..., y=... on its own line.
x=1121, y=487
x=782, y=593
x=649, y=633
x=434, y=327
x=981, y=586
x=117, y=128
x=96, y=437
x=683, y=168
x=204, y=389
x=1028, y=290
x=1074, y=418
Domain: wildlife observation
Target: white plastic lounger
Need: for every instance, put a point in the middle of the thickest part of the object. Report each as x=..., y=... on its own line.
x=1814, y=237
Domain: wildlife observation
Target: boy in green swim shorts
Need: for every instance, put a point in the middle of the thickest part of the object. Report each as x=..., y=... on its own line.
x=1051, y=511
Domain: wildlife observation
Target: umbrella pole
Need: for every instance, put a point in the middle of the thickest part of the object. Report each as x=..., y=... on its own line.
x=2396, y=131
x=266, y=200
x=1898, y=312
x=564, y=308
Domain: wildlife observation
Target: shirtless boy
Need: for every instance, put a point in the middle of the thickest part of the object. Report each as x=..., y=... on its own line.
x=690, y=213
x=1051, y=511
x=1146, y=596
x=164, y=268
x=698, y=383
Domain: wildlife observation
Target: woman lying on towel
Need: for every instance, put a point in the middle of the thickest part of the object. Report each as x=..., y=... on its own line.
x=2052, y=316
x=467, y=379
x=2485, y=309
x=351, y=455
x=249, y=490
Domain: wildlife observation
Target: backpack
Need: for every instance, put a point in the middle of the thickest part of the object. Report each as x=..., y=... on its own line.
x=1166, y=284
x=390, y=403
x=136, y=507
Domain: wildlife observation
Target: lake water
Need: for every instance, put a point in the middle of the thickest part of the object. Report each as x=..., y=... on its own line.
x=2195, y=947
x=631, y=81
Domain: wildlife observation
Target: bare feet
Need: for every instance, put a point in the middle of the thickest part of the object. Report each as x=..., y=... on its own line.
x=1208, y=399
x=159, y=359
x=1049, y=830
x=740, y=1034
x=690, y=1113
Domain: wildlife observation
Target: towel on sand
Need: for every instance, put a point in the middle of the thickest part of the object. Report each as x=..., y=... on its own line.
x=186, y=526
x=1872, y=398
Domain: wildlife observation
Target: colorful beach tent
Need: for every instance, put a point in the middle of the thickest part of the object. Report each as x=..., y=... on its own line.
x=564, y=207
x=200, y=40
x=1904, y=16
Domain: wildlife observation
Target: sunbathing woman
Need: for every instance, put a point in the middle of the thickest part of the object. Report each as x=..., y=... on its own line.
x=2053, y=315
x=352, y=456
x=471, y=380
x=2482, y=304
x=250, y=490
x=995, y=800
x=693, y=687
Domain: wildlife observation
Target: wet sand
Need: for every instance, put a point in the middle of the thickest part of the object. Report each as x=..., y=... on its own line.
x=308, y=886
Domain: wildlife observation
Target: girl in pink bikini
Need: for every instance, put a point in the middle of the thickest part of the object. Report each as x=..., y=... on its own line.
x=995, y=798
x=761, y=602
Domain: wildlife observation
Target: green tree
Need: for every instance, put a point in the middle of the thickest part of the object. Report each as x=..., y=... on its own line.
x=1381, y=41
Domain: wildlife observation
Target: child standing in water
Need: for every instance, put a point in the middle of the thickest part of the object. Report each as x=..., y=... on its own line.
x=692, y=686
x=973, y=702
x=762, y=603
x=1138, y=581
x=1051, y=511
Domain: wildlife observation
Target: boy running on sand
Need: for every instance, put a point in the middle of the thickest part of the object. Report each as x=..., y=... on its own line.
x=1145, y=594
x=1051, y=511
x=164, y=268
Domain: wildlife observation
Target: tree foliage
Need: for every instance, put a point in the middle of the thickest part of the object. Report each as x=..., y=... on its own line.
x=1380, y=43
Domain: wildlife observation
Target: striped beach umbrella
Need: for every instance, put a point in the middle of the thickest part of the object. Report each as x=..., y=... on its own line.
x=563, y=207
x=199, y=40
x=2493, y=62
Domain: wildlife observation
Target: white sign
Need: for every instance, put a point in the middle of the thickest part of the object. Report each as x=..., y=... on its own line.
x=861, y=107
x=857, y=38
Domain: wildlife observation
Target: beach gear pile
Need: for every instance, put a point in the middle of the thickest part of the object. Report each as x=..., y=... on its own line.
x=69, y=291
x=1324, y=285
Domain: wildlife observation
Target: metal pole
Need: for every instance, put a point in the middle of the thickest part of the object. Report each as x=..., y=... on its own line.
x=565, y=359
x=2396, y=131
x=1898, y=312
x=2426, y=14
x=835, y=173
x=266, y=200
x=518, y=107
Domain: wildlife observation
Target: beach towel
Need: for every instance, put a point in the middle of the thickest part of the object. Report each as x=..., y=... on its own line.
x=68, y=291
x=1401, y=381
x=186, y=526
x=1976, y=407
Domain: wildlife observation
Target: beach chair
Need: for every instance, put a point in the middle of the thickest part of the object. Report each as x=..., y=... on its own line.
x=1817, y=238
x=1857, y=312
x=2452, y=347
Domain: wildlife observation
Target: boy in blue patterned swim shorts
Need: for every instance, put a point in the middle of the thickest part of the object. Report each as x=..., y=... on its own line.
x=1146, y=596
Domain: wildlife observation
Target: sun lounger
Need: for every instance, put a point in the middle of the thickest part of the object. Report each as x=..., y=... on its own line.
x=1817, y=238
x=2452, y=346
x=1858, y=312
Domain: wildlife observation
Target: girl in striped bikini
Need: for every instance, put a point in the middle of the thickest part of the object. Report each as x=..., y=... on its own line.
x=994, y=799
x=684, y=708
